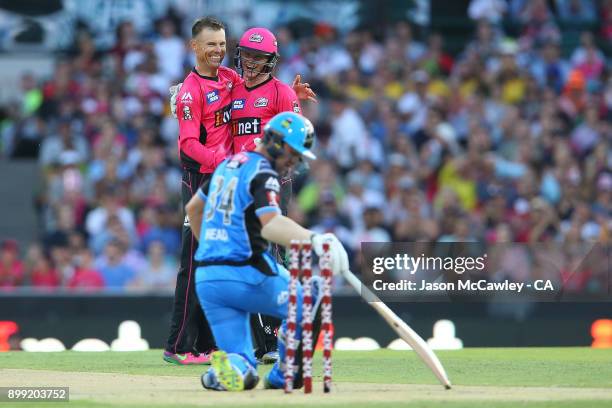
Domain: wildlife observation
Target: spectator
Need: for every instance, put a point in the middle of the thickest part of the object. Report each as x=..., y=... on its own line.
x=436, y=61
x=323, y=178
x=61, y=258
x=11, y=268
x=606, y=20
x=373, y=226
x=86, y=277
x=28, y=137
x=31, y=95
x=371, y=54
x=159, y=272
x=490, y=10
x=574, y=97
x=42, y=273
x=350, y=140
x=539, y=24
x=486, y=42
x=110, y=205
x=461, y=232
x=588, y=59
x=587, y=134
x=357, y=195
x=550, y=70
x=329, y=218
x=576, y=10
x=413, y=104
x=330, y=57
x=412, y=219
x=170, y=49
x=113, y=230
x=116, y=273
x=163, y=229
x=63, y=140
x=413, y=49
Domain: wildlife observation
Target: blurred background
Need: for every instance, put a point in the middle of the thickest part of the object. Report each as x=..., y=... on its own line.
x=481, y=120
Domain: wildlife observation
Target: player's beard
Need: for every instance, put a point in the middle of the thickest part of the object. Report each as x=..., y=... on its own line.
x=292, y=170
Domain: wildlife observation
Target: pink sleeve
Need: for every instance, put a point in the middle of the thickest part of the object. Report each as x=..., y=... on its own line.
x=233, y=75
x=189, y=112
x=288, y=100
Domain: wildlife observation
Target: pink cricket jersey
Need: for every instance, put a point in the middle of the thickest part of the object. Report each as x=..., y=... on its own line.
x=252, y=109
x=203, y=110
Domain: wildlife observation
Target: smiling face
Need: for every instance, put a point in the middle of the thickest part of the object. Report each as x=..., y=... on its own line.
x=252, y=65
x=209, y=48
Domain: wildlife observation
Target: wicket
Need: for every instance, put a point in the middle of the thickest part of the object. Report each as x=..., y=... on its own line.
x=300, y=258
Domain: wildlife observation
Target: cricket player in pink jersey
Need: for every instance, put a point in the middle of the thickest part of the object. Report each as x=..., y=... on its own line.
x=203, y=110
x=202, y=104
x=255, y=101
x=261, y=96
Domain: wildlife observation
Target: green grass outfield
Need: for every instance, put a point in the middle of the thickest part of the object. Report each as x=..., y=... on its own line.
x=499, y=377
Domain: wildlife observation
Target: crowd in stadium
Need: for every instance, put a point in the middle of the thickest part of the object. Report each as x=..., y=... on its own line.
x=506, y=141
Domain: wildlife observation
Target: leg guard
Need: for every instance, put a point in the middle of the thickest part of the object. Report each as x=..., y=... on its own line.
x=264, y=329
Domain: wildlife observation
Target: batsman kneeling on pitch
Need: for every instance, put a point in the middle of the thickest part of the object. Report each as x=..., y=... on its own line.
x=235, y=218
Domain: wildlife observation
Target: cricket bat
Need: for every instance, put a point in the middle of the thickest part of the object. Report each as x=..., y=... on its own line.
x=402, y=329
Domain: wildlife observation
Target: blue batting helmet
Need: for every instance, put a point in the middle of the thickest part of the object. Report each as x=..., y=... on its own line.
x=292, y=129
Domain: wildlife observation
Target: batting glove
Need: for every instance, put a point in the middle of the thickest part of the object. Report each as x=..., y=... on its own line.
x=339, y=257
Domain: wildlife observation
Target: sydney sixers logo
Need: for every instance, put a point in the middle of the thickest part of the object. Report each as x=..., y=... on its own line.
x=255, y=37
x=261, y=102
x=187, y=113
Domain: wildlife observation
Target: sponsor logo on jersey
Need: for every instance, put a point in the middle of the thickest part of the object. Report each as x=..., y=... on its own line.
x=256, y=38
x=273, y=198
x=261, y=102
x=246, y=126
x=296, y=107
x=223, y=115
x=187, y=113
x=229, y=86
x=272, y=184
x=238, y=104
x=186, y=98
x=212, y=96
